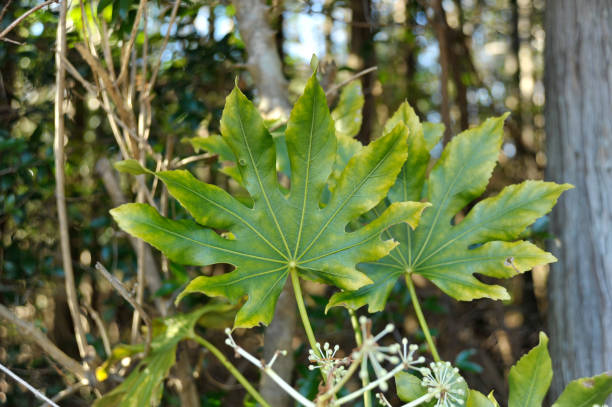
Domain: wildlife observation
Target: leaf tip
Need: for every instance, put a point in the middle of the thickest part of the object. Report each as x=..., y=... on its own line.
x=543, y=338
x=131, y=166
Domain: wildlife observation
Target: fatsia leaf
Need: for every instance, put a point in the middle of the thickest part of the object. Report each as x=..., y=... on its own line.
x=130, y=167
x=530, y=377
x=477, y=399
x=347, y=113
x=279, y=233
x=213, y=144
x=586, y=392
x=408, y=386
x=144, y=385
x=484, y=242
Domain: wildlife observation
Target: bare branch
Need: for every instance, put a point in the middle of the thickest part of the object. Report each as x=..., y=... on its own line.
x=33, y=390
x=117, y=285
x=359, y=74
x=151, y=83
x=5, y=9
x=29, y=331
x=127, y=51
x=23, y=17
x=181, y=163
x=58, y=149
x=101, y=328
x=66, y=392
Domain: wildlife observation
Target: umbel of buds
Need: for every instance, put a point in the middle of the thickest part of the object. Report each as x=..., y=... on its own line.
x=442, y=381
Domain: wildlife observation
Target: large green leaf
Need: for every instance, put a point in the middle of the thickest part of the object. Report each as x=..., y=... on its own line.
x=279, y=233
x=586, y=392
x=530, y=377
x=484, y=242
x=144, y=385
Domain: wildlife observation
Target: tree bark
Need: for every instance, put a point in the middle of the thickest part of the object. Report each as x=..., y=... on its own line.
x=439, y=20
x=264, y=63
x=578, y=82
x=266, y=68
x=362, y=46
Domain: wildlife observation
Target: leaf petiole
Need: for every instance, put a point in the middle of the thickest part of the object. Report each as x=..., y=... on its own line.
x=299, y=298
x=421, y=318
x=367, y=396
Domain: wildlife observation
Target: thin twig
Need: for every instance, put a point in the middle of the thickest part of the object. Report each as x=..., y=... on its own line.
x=33, y=390
x=359, y=74
x=65, y=393
x=58, y=149
x=128, y=49
x=117, y=285
x=29, y=331
x=101, y=328
x=181, y=163
x=109, y=85
x=24, y=16
x=5, y=9
x=151, y=83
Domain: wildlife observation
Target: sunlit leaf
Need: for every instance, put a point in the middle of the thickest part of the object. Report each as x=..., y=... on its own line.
x=449, y=254
x=280, y=232
x=408, y=386
x=586, y=392
x=130, y=167
x=530, y=377
x=477, y=399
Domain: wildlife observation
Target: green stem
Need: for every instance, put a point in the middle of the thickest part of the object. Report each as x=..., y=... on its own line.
x=355, y=324
x=299, y=298
x=421, y=318
x=232, y=369
x=365, y=380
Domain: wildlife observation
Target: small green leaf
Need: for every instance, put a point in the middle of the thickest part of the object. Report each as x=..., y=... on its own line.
x=586, y=392
x=477, y=399
x=432, y=132
x=144, y=385
x=462, y=361
x=530, y=377
x=130, y=167
x=213, y=144
x=347, y=113
x=408, y=386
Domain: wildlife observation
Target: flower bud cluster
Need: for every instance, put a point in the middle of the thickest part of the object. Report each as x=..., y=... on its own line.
x=444, y=383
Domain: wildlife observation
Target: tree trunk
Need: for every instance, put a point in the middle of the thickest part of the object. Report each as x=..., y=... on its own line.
x=362, y=46
x=439, y=20
x=579, y=127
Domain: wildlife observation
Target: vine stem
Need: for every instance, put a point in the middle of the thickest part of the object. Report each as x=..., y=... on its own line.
x=299, y=298
x=365, y=380
x=232, y=369
x=421, y=318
